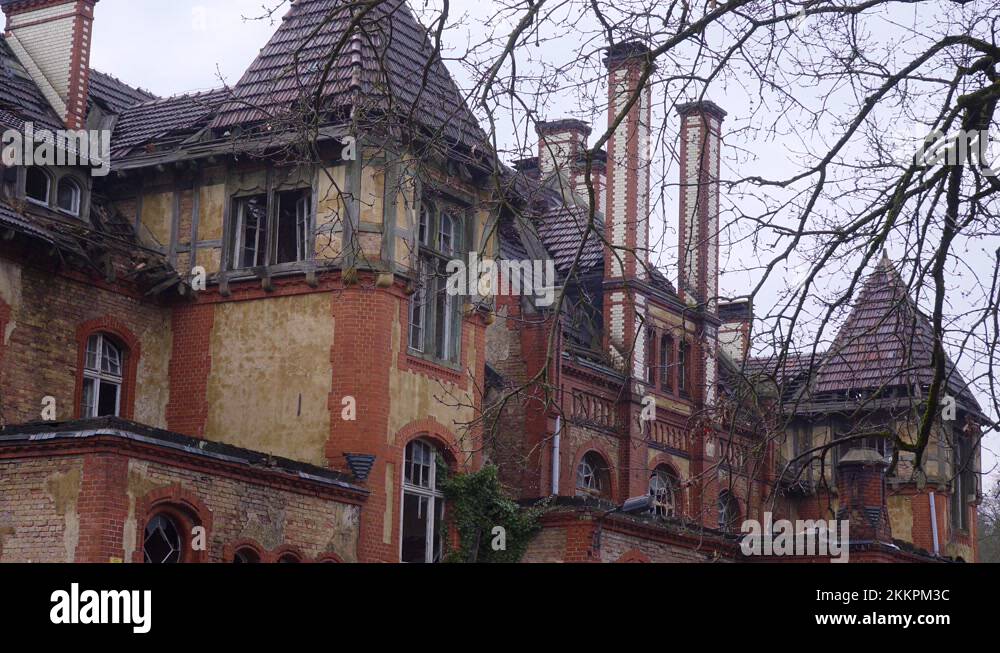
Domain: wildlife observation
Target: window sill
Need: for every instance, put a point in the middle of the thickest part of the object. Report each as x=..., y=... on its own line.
x=450, y=372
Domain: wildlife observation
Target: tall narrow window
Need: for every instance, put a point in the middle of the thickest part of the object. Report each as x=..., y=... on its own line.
x=250, y=232
x=37, y=185
x=293, y=226
x=102, y=378
x=423, y=504
x=683, y=363
x=667, y=364
x=418, y=309
x=650, y=357
x=962, y=485
x=435, y=325
x=68, y=196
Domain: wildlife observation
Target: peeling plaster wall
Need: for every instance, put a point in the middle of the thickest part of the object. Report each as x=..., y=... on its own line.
x=270, y=379
x=38, y=509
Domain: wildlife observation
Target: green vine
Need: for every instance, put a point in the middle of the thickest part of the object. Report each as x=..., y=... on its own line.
x=477, y=504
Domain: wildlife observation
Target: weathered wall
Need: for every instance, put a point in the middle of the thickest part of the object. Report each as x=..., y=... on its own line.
x=42, y=350
x=271, y=373
x=242, y=510
x=38, y=509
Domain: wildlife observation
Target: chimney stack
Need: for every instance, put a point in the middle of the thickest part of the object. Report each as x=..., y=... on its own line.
x=51, y=39
x=698, y=246
x=626, y=219
x=862, y=495
x=562, y=148
x=627, y=216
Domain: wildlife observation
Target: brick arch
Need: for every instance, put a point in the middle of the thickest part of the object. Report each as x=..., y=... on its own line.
x=132, y=350
x=634, y=555
x=184, y=506
x=597, y=447
x=329, y=556
x=287, y=549
x=432, y=430
x=230, y=549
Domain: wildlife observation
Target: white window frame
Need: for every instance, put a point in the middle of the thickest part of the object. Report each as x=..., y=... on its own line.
x=239, y=234
x=77, y=196
x=97, y=376
x=48, y=187
x=430, y=493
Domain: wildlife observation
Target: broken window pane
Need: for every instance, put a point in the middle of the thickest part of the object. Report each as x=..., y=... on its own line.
x=162, y=541
x=250, y=232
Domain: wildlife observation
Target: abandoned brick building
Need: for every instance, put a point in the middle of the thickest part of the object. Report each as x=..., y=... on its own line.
x=234, y=338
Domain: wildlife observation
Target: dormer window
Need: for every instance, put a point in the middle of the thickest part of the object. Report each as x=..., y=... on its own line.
x=270, y=233
x=68, y=196
x=37, y=185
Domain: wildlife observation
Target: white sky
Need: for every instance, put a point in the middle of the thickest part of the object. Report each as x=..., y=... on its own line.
x=192, y=45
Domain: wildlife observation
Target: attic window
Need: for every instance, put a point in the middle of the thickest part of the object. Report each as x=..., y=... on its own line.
x=37, y=185
x=68, y=196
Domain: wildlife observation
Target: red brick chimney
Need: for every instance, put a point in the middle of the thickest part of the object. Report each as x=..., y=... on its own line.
x=51, y=39
x=626, y=217
x=862, y=495
x=698, y=246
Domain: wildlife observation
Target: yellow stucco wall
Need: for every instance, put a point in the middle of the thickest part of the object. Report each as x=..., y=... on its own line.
x=269, y=385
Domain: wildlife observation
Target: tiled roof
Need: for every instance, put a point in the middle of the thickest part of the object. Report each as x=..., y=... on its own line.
x=885, y=342
x=21, y=101
x=115, y=94
x=158, y=119
x=381, y=67
x=562, y=229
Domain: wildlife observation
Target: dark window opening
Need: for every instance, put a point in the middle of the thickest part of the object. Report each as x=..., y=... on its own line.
x=293, y=226
x=162, y=541
x=246, y=556
x=36, y=185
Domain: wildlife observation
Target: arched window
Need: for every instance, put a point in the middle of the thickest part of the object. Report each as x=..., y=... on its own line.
x=288, y=558
x=37, y=185
x=68, y=196
x=102, y=377
x=663, y=488
x=423, y=504
x=246, y=555
x=592, y=477
x=162, y=540
x=729, y=512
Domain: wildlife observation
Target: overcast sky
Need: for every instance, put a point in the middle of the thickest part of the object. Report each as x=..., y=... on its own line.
x=189, y=45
